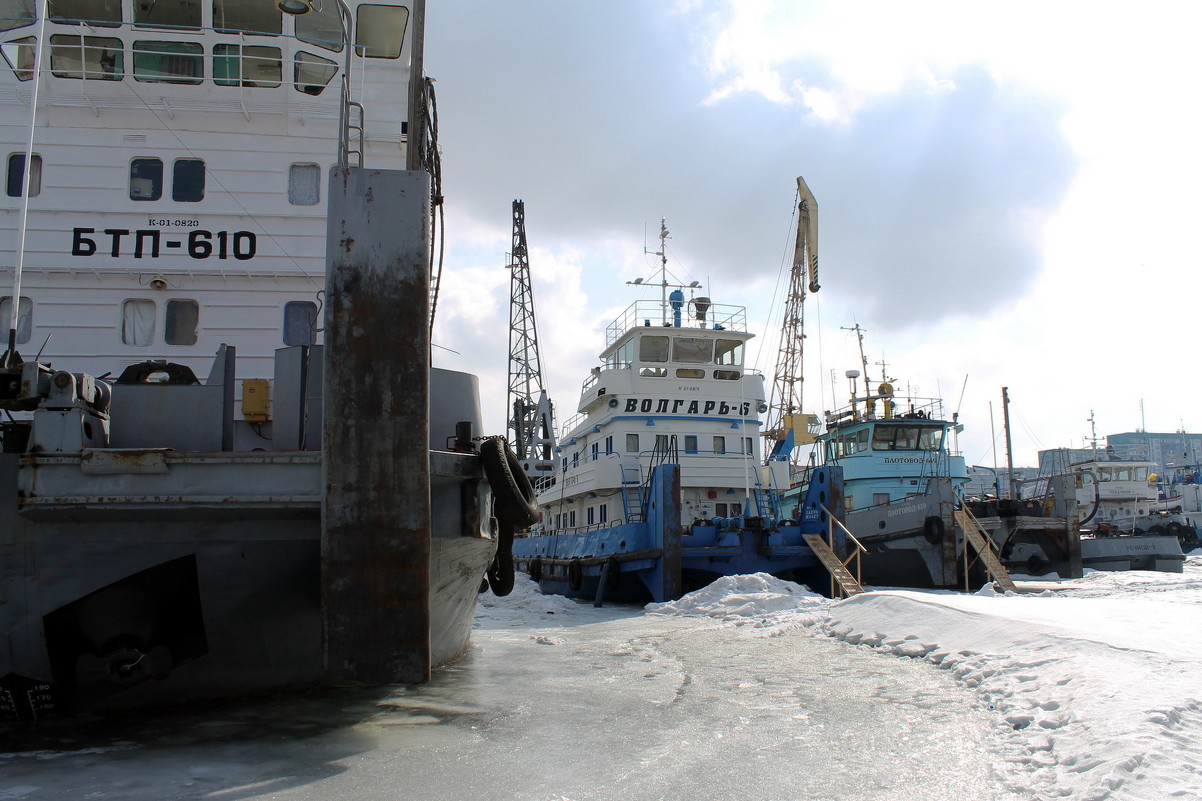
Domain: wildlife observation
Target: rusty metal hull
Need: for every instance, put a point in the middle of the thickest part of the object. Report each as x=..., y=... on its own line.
x=207, y=564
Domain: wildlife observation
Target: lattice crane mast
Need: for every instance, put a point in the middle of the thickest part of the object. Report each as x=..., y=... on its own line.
x=787, y=426
x=531, y=420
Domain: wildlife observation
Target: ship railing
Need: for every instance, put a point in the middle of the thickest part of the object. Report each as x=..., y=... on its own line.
x=903, y=408
x=651, y=314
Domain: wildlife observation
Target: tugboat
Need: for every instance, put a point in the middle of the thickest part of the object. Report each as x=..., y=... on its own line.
x=659, y=485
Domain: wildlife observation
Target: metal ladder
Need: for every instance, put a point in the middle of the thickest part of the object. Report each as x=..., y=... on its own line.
x=839, y=572
x=766, y=503
x=982, y=543
x=632, y=494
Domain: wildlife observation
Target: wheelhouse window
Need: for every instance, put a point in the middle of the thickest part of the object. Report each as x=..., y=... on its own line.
x=380, y=30
x=690, y=372
x=632, y=443
x=92, y=58
x=300, y=322
x=720, y=445
x=728, y=351
x=188, y=180
x=238, y=16
x=304, y=184
x=19, y=55
x=145, y=179
x=102, y=13
x=16, y=175
x=137, y=322
x=168, y=62
x=311, y=73
x=321, y=27
x=726, y=375
x=16, y=14
x=153, y=14
x=24, y=318
x=653, y=349
x=907, y=438
x=242, y=65
x=693, y=350
x=690, y=443
x=180, y=324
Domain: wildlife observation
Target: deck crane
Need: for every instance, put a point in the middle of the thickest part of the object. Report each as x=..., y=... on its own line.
x=787, y=426
x=531, y=421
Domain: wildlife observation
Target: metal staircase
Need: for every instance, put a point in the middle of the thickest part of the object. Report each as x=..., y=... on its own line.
x=982, y=543
x=839, y=572
x=766, y=503
x=632, y=493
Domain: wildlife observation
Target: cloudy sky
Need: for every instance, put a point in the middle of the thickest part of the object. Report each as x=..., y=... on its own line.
x=1006, y=194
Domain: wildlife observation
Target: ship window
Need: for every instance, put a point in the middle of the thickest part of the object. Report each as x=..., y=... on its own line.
x=188, y=180
x=690, y=443
x=632, y=443
x=16, y=14
x=94, y=58
x=19, y=54
x=380, y=30
x=235, y=65
x=693, y=350
x=153, y=14
x=590, y=515
x=321, y=27
x=145, y=179
x=728, y=351
x=24, y=317
x=16, y=175
x=690, y=372
x=930, y=438
x=1139, y=473
x=137, y=322
x=236, y=16
x=304, y=184
x=604, y=513
x=575, y=460
x=180, y=325
x=880, y=499
x=748, y=446
x=168, y=62
x=105, y=13
x=719, y=445
x=726, y=375
x=653, y=349
x=653, y=372
x=661, y=443
x=609, y=444
x=300, y=322
x=311, y=74
x=572, y=519
x=596, y=450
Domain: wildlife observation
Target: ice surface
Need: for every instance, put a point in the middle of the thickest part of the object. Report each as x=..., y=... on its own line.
x=753, y=688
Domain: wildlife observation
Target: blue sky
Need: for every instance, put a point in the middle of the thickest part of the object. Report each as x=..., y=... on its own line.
x=1005, y=193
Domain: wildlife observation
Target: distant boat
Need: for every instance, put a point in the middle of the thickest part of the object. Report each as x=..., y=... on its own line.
x=658, y=486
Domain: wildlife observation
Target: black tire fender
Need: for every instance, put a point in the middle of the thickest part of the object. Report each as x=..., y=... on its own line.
x=613, y=577
x=575, y=575
x=512, y=491
x=932, y=529
x=535, y=569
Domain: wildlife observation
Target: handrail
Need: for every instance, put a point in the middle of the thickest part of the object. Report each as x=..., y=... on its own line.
x=846, y=530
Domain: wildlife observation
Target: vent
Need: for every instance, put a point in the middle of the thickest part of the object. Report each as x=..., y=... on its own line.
x=135, y=139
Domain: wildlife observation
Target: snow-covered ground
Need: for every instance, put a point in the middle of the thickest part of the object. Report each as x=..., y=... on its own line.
x=1095, y=681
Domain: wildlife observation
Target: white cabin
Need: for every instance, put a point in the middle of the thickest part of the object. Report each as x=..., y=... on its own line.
x=665, y=379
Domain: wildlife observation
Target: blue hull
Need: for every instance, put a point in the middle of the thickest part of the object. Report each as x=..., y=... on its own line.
x=659, y=559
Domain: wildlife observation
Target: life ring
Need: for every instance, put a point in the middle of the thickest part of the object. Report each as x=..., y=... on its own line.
x=575, y=575
x=511, y=488
x=535, y=569
x=932, y=529
x=613, y=575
